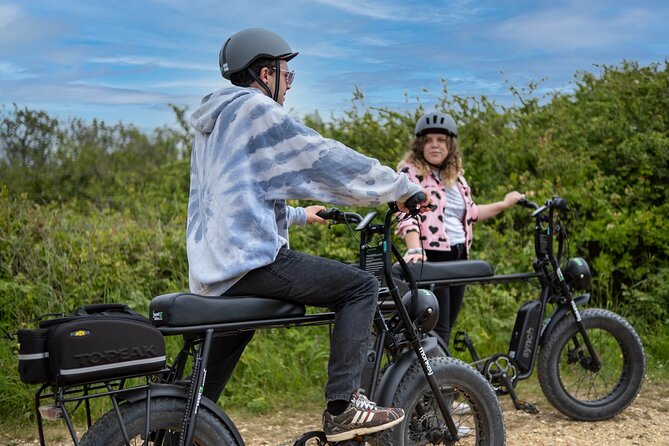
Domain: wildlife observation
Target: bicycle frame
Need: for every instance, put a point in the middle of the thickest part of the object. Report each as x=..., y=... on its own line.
x=382, y=342
x=554, y=290
x=197, y=341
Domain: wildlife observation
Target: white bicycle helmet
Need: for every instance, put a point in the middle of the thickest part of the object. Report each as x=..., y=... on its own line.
x=436, y=122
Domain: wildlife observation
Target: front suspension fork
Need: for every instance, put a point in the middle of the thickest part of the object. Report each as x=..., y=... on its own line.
x=594, y=364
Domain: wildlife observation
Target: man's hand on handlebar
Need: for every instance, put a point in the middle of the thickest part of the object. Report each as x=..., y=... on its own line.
x=417, y=203
x=312, y=216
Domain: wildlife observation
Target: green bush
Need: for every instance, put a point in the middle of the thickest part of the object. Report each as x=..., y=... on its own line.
x=97, y=213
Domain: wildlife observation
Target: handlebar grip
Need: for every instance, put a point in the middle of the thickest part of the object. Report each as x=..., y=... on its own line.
x=328, y=214
x=524, y=202
x=415, y=200
x=559, y=203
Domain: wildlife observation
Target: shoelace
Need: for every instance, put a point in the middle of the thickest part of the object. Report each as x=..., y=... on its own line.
x=361, y=401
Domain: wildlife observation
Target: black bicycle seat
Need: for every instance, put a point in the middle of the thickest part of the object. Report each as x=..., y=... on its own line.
x=187, y=309
x=457, y=269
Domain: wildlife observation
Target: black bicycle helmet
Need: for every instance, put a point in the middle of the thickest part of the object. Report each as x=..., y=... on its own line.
x=577, y=274
x=426, y=311
x=436, y=122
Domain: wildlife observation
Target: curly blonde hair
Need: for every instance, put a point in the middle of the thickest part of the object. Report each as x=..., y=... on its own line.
x=448, y=170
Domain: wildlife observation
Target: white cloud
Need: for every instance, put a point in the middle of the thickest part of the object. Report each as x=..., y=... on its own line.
x=383, y=10
x=136, y=60
x=10, y=71
x=376, y=41
x=571, y=29
x=203, y=85
x=85, y=93
x=18, y=29
x=9, y=14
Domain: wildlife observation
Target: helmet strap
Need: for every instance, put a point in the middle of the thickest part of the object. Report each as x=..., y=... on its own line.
x=277, y=79
x=261, y=83
x=277, y=66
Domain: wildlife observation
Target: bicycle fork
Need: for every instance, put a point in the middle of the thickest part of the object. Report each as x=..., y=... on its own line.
x=420, y=353
x=594, y=364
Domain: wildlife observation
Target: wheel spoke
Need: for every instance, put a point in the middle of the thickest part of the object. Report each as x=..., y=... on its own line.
x=576, y=372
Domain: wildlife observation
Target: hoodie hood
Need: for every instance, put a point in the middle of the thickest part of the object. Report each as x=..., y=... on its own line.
x=204, y=118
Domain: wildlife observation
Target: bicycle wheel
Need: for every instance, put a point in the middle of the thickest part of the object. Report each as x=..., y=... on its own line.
x=574, y=385
x=165, y=424
x=475, y=408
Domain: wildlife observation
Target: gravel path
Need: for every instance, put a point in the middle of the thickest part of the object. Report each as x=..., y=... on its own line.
x=646, y=422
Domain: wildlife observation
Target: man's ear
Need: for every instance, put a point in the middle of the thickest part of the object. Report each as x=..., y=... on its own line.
x=264, y=74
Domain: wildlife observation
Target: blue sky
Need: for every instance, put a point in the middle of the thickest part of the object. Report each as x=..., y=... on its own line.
x=127, y=60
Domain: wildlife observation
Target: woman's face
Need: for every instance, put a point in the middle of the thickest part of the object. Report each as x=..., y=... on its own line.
x=435, y=149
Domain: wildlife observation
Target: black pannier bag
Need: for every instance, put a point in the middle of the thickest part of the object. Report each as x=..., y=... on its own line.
x=96, y=342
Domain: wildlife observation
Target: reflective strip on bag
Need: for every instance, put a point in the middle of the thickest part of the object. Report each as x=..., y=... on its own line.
x=116, y=365
x=33, y=356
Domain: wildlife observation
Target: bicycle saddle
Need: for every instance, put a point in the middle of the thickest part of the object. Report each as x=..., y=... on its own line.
x=457, y=269
x=186, y=309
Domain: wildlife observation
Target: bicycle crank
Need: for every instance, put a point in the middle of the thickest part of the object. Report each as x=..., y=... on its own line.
x=502, y=374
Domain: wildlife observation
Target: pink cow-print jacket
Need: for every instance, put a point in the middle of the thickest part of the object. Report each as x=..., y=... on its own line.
x=432, y=231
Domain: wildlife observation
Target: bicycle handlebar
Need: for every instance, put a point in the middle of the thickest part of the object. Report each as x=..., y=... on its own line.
x=559, y=203
x=414, y=201
x=556, y=202
x=338, y=216
x=524, y=202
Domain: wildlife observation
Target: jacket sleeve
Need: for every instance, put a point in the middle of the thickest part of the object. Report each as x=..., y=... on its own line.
x=306, y=165
x=472, y=208
x=408, y=224
x=296, y=216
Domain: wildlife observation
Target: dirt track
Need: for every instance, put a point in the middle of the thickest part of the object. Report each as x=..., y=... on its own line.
x=646, y=422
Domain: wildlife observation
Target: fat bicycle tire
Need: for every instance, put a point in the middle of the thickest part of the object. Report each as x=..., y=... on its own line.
x=166, y=414
x=572, y=387
x=460, y=383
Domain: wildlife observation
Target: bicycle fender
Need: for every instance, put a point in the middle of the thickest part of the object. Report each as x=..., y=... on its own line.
x=174, y=391
x=393, y=375
x=557, y=315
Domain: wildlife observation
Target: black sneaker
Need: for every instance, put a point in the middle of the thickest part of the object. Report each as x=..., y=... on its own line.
x=360, y=417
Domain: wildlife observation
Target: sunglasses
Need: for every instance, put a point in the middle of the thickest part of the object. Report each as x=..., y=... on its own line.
x=290, y=76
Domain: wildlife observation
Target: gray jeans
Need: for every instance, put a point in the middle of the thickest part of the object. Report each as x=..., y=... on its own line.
x=315, y=281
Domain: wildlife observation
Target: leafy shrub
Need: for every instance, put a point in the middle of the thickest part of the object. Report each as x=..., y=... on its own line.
x=96, y=213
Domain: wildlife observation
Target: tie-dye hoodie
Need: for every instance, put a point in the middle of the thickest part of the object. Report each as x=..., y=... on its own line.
x=248, y=157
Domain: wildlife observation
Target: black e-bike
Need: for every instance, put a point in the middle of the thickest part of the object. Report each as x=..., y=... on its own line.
x=590, y=362
x=404, y=368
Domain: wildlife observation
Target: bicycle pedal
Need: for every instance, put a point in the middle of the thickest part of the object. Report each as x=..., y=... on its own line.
x=51, y=412
x=304, y=439
x=319, y=436
x=460, y=341
x=526, y=407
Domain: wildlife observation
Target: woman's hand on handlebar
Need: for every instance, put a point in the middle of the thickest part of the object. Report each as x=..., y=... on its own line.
x=312, y=216
x=512, y=198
